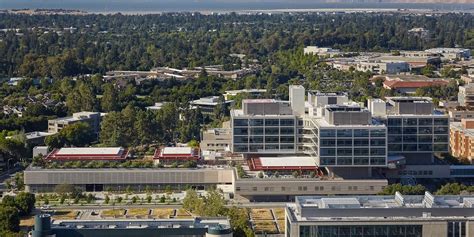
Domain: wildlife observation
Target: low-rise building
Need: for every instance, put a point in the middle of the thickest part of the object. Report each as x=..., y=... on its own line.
x=451, y=53
x=88, y=154
x=252, y=92
x=466, y=96
x=157, y=106
x=462, y=139
x=169, y=155
x=408, y=84
x=321, y=51
x=399, y=215
x=216, y=140
x=207, y=105
x=193, y=227
x=458, y=113
x=92, y=118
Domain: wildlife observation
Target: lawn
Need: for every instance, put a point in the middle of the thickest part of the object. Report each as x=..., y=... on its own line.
x=279, y=213
x=138, y=212
x=162, y=213
x=113, y=212
x=65, y=215
x=281, y=224
x=261, y=214
x=28, y=221
x=268, y=227
x=182, y=214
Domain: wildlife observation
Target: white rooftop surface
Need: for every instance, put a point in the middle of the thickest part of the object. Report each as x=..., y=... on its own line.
x=89, y=151
x=287, y=161
x=177, y=150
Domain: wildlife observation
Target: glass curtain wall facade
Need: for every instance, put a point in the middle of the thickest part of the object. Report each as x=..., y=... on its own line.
x=352, y=146
x=362, y=231
x=415, y=134
x=264, y=135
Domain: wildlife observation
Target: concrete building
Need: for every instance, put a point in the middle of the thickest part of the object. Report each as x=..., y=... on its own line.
x=346, y=137
x=92, y=118
x=408, y=84
x=97, y=180
x=383, y=67
x=168, y=155
x=458, y=113
x=264, y=126
x=208, y=104
x=461, y=139
x=451, y=53
x=216, y=140
x=252, y=92
x=196, y=227
x=88, y=154
x=466, y=96
x=415, y=129
x=388, y=216
x=321, y=51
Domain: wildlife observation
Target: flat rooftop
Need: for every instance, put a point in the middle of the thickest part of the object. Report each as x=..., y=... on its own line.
x=143, y=223
x=284, y=163
x=176, y=150
x=88, y=153
x=370, y=208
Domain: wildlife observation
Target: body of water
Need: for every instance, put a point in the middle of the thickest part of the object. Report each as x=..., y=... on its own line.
x=137, y=6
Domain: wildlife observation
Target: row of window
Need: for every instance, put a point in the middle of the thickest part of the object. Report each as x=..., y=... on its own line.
x=352, y=151
x=353, y=142
x=262, y=122
x=362, y=231
x=415, y=172
x=419, y=139
x=323, y=133
x=418, y=147
x=261, y=139
x=266, y=131
x=306, y=188
x=417, y=121
x=375, y=160
x=259, y=148
x=418, y=130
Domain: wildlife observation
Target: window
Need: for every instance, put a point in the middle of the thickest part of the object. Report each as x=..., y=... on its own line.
x=409, y=147
x=271, y=147
x=344, y=161
x=287, y=139
x=361, y=133
x=328, y=152
x=377, y=151
x=361, y=151
x=410, y=122
x=344, y=151
x=256, y=131
x=394, y=122
x=256, y=139
x=377, y=142
x=425, y=130
x=240, y=122
x=255, y=148
x=271, y=131
x=409, y=139
x=394, y=139
x=287, y=131
x=271, y=122
x=327, y=133
x=377, y=133
x=361, y=142
x=425, y=147
x=344, y=133
x=377, y=160
x=441, y=130
x=328, y=142
x=287, y=147
x=441, y=121
x=240, y=139
x=271, y=139
x=328, y=160
x=287, y=122
x=256, y=122
x=394, y=130
x=409, y=130
x=344, y=142
x=241, y=148
x=425, y=121
x=440, y=138
x=241, y=131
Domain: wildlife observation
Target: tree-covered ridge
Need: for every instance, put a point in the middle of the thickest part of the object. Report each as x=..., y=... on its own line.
x=60, y=46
